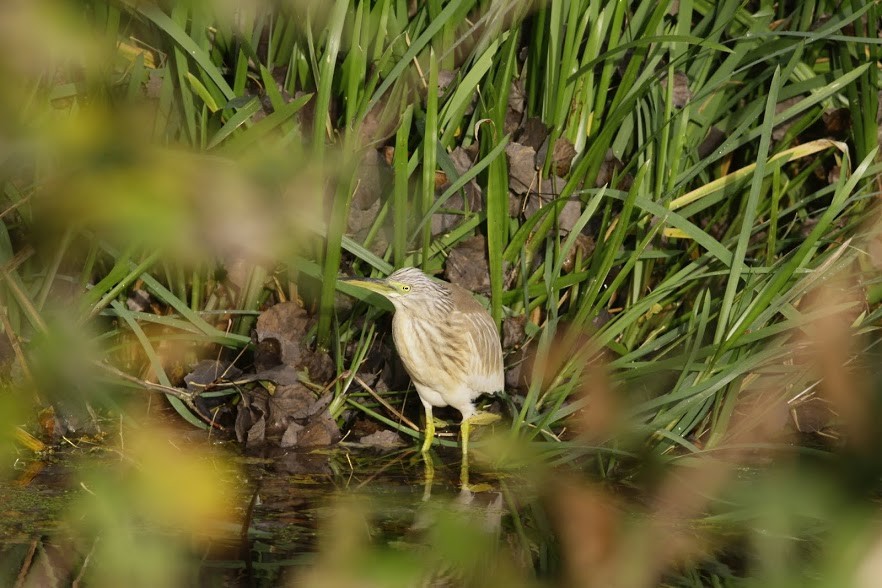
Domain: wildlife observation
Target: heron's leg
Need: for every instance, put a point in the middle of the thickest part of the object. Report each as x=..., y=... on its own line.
x=464, y=429
x=430, y=428
x=464, y=472
x=429, y=476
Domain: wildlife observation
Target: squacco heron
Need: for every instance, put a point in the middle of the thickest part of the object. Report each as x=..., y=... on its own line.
x=447, y=342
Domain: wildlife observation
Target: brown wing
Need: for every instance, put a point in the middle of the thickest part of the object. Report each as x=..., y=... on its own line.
x=486, y=372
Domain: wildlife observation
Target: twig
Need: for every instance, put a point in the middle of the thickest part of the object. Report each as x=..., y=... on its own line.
x=12, y=207
x=416, y=62
x=186, y=397
x=386, y=405
x=177, y=392
x=19, y=354
x=26, y=565
x=82, y=572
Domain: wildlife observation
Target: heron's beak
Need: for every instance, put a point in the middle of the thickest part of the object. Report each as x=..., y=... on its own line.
x=372, y=284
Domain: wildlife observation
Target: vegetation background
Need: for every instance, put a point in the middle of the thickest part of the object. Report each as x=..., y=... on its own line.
x=668, y=207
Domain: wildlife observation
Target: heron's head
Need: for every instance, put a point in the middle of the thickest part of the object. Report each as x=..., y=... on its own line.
x=408, y=289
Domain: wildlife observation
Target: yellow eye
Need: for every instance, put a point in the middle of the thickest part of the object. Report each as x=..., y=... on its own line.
x=405, y=288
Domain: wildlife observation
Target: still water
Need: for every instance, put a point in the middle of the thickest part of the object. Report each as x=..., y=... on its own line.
x=339, y=516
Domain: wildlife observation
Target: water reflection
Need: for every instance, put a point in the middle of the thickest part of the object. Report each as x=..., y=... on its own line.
x=306, y=518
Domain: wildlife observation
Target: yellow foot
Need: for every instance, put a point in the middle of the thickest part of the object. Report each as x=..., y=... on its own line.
x=484, y=418
x=479, y=418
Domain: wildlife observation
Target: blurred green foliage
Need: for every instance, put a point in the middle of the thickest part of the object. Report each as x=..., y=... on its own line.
x=721, y=159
